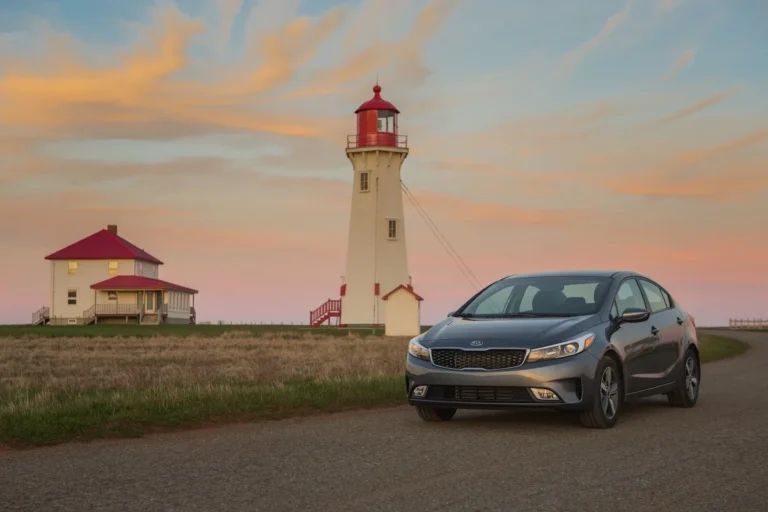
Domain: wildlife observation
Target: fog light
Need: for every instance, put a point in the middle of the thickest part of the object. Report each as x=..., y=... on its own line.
x=419, y=391
x=544, y=394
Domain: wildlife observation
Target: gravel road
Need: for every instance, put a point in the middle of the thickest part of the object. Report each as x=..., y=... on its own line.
x=657, y=458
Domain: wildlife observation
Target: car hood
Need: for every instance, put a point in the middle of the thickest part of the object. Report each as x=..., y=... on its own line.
x=506, y=332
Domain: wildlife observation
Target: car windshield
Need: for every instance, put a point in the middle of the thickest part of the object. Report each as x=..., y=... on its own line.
x=544, y=296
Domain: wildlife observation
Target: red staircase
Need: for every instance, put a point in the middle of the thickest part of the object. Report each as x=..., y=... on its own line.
x=330, y=309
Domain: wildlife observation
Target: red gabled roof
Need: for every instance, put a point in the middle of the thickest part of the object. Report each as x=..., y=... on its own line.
x=408, y=288
x=103, y=245
x=139, y=283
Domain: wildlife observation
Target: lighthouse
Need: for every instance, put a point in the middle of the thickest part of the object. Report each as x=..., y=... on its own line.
x=377, y=261
x=376, y=286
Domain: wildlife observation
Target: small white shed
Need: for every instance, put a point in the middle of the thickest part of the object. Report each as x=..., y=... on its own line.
x=403, y=312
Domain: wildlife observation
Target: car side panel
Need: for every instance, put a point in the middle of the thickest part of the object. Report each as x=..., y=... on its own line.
x=636, y=343
x=668, y=320
x=669, y=349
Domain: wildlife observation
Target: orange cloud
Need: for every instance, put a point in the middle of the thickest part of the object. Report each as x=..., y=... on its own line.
x=574, y=56
x=44, y=99
x=149, y=93
x=700, y=105
x=405, y=55
x=462, y=210
x=285, y=51
x=228, y=10
x=488, y=175
x=699, y=155
x=683, y=62
x=734, y=181
x=30, y=167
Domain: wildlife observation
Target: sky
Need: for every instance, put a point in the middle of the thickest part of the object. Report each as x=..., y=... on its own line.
x=543, y=135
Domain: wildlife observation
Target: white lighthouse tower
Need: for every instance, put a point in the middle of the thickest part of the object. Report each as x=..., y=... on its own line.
x=376, y=287
x=377, y=261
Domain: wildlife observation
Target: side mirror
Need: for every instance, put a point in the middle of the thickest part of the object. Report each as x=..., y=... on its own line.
x=451, y=314
x=633, y=315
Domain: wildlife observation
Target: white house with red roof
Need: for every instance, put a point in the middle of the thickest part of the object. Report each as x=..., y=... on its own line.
x=104, y=278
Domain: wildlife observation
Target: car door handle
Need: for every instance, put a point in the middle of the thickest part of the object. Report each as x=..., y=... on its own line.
x=679, y=321
x=654, y=330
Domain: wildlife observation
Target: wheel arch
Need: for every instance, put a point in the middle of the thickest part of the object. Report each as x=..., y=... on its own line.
x=695, y=348
x=614, y=354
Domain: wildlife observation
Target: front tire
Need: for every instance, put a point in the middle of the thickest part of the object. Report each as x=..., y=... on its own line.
x=607, y=393
x=434, y=413
x=686, y=394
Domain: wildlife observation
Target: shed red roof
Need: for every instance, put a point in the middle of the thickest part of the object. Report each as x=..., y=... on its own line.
x=139, y=283
x=103, y=245
x=376, y=103
x=408, y=288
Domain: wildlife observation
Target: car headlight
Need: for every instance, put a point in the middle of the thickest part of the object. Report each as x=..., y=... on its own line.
x=417, y=350
x=569, y=348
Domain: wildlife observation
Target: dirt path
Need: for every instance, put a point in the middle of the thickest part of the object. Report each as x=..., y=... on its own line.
x=658, y=458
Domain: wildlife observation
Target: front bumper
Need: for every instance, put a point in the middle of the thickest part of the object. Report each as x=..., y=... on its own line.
x=569, y=378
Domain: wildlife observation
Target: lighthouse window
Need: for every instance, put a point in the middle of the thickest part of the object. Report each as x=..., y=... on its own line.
x=364, y=181
x=392, y=234
x=386, y=121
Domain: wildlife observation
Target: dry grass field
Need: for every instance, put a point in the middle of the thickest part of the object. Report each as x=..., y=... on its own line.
x=81, y=364
x=55, y=389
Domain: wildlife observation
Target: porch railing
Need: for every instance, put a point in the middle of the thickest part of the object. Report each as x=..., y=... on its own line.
x=116, y=309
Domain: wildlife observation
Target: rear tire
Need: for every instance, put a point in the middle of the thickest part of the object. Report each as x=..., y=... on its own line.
x=435, y=414
x=607, y=396
x=686, y=394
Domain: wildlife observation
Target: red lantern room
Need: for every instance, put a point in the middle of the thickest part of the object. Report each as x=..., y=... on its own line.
x=377, y=124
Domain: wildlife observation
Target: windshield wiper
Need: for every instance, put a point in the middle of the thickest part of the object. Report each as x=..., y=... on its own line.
x=534, y=315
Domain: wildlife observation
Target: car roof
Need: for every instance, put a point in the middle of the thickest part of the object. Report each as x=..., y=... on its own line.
x=578, y=273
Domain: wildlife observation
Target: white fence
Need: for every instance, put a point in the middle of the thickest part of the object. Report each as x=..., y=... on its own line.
x=747, y=323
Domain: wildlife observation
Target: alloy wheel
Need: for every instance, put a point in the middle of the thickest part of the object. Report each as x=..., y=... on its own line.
x=609, y=392
x=691, y=378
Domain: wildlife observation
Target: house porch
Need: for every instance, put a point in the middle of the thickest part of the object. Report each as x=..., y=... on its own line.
x=141, y=300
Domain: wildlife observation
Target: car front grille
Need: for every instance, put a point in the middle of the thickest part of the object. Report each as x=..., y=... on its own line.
x=500, y=394
x=493, y=359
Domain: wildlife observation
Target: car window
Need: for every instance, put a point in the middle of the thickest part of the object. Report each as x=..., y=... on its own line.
x=614, y=310
x=584, y=291
x=655, y=300
x=495, y=303
x=550, y=295
x=667, y=298
x=526, y=304
x=629, y=296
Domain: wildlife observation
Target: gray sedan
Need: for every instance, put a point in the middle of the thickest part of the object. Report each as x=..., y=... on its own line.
x=575, y=341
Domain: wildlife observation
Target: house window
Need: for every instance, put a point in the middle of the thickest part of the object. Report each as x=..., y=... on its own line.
x=72, y=297
x=392, y=231
x=113, y=268
x=72, y=267
x=364, y=181
x=112, y=295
